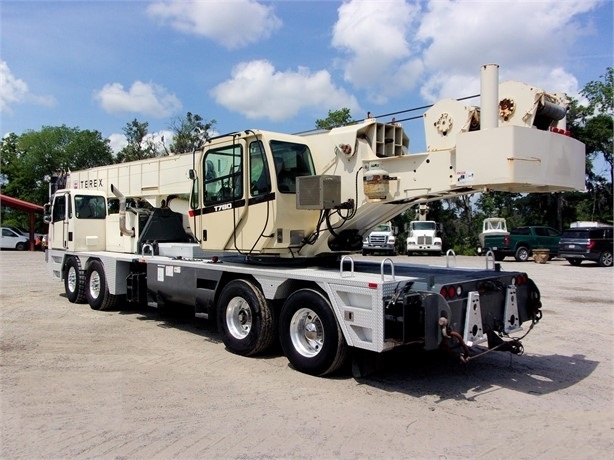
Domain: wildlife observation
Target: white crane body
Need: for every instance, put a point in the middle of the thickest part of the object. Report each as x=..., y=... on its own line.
x=247, y=227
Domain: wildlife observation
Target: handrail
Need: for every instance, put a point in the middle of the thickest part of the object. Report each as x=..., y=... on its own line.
x=387, y=259
x=490, y=255
x=343, y=259
x=448, y=253
x=147, y=246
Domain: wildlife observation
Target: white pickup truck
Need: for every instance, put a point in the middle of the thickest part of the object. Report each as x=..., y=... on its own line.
x=382, y=239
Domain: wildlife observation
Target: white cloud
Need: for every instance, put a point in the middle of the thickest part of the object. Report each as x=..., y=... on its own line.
x=257, y=90
x=117, y=142
x=374, y=36
x=13, y=90
x=145, y=98
x=232, y=24
x=527, y=38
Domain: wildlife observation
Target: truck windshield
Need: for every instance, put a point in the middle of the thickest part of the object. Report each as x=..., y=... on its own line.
x=382, y=228
x=423, y=225
x=90, y=207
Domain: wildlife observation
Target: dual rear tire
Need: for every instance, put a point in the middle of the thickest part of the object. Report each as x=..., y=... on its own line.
x=308, y=330
x=88, y=286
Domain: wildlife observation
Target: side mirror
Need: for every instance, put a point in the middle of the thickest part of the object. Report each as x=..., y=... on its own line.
x=47, y=213
x=191, y=174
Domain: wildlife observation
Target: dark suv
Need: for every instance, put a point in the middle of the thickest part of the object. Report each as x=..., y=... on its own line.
x=587, y=243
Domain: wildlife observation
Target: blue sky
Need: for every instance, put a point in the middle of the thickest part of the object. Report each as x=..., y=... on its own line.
x=280, y=65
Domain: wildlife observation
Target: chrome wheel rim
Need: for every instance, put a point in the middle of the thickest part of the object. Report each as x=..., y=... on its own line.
x=71, y=279
x=239, y=318
x=307, y=332
x=94, y=286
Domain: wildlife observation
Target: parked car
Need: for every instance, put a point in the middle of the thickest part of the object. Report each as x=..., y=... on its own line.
x=10, y=239
x=587, y=243
x=38, y=237
x=521, y=241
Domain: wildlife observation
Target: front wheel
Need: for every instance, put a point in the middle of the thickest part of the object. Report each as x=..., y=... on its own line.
x=522, y=254
x=245, y=319
x=74, y=281
x=96, y=288
x=21, y=246
x=310, y=335
x=605, y=259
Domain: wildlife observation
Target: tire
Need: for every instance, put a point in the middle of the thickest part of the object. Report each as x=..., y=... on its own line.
x=605, y=259
x=310, y=335
x=499, y=257
x=21, y=246
x=96, y=288
x=522, y=254
x=244, y=319
x=74, y=281
x=574, y=262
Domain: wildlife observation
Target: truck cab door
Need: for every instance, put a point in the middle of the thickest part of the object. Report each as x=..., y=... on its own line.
x=223, y=196
x=61, y=212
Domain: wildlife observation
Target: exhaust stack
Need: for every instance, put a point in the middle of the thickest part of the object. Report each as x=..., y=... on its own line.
x=489, y=95
x=122, y=212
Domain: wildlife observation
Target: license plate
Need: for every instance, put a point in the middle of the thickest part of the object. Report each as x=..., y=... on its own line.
x=571, y=246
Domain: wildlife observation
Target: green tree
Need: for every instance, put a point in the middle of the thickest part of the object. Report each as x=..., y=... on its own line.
x=190, y=132
x=593, y=124
x=140, y=146
x=335, y=119
x=29, y=159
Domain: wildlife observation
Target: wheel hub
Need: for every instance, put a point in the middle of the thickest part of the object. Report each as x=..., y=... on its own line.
x=307, y=332
x=238, y=318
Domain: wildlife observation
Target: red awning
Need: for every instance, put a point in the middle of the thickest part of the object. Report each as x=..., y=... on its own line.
x=19, y=204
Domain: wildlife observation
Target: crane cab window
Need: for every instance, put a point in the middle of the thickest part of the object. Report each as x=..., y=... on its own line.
x=259, y=177
x=90, y=207
x=291, y=160
x=223, y=175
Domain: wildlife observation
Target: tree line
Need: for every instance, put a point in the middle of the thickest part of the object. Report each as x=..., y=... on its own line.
x=29, y=159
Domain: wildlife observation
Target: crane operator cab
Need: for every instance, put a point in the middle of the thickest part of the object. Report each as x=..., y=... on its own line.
x=251, y=175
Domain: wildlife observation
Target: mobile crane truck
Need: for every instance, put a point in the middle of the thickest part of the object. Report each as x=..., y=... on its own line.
x=257, y=230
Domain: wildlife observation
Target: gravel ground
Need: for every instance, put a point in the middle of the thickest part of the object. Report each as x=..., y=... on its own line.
x=77, y=383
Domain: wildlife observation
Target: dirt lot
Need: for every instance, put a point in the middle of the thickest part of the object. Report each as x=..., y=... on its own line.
x=76, y=383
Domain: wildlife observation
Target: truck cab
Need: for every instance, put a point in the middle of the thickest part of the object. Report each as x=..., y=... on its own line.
x=382, y=239
x=423, y=238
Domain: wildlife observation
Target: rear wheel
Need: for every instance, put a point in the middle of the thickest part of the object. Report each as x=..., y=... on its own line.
x=245, y=319
x=574, y=262
x=605, y=259
x=96, y=288
x=74, y=281
x=522, y=254
x=310, y=336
